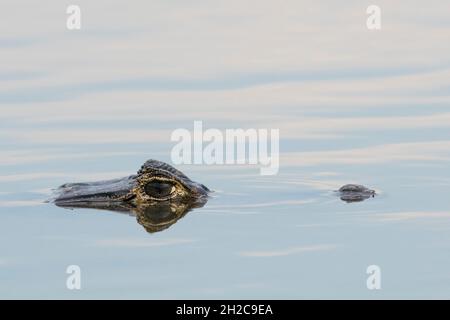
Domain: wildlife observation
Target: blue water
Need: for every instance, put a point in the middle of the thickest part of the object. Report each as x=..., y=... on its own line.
x=352, y=106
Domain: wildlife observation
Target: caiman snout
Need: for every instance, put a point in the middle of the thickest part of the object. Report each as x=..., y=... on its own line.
x=78, y=194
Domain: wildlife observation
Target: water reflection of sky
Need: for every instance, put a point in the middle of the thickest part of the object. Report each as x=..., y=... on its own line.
x=351, y=105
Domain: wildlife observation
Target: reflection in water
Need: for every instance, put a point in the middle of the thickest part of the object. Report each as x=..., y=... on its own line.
x=359, y=198
x=153, y=217
x=162, y=215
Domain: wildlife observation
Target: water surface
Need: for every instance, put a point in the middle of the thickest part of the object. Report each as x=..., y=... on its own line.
x=352, y=106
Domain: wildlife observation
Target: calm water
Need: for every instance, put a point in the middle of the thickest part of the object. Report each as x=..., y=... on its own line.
x=352, y=105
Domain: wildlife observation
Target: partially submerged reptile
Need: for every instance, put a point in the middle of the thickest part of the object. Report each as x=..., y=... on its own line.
x=158, y=195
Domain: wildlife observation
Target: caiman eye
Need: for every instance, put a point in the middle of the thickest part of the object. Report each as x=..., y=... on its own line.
x=159, y=189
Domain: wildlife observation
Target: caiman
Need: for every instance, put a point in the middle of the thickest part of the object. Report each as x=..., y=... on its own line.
x=158, y=195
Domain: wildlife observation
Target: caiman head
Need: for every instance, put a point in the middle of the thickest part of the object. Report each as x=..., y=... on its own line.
x=158, y=195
